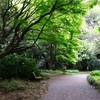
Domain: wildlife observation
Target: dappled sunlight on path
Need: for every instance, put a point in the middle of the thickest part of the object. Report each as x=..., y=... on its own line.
x=70, y=87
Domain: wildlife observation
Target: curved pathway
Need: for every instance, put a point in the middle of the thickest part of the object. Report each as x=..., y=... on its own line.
x=70, y=87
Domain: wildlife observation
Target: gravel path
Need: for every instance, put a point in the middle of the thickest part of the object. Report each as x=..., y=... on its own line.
x=70, y=87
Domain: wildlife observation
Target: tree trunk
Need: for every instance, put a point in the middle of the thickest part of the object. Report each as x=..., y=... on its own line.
x=51, y=55
x=46, y=62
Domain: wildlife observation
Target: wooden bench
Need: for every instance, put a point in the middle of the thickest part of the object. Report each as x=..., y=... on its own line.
x=36, y=77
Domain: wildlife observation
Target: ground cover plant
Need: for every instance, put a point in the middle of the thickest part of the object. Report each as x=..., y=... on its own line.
x=16, y=89
x=61, y=72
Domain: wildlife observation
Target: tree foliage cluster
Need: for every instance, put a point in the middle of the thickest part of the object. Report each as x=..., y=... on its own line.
x=89, y=56
x=23, y=21
x=17, y=66
x=52, y=26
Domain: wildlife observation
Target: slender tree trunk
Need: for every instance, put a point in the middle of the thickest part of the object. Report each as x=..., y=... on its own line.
x=51, y=55
x=46, y=62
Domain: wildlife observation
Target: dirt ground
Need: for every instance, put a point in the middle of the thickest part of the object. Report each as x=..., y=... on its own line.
x=34, y=91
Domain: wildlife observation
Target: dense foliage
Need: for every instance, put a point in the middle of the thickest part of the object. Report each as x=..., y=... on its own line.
x=23, y=21
x=94, y=78
x=48, y=29
x=90, y=52
x=17, y=66
x=95, y=73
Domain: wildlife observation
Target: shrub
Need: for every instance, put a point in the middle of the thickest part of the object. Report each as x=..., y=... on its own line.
x=17, y=66
x=90, y=80
x=97, y=85
x=97, y=78
x=95, y=73
x=93, y=82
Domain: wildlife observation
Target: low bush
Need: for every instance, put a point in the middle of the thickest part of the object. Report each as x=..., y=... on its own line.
x=95, y=73
x=94, y=80
x=97, y=85
x=90, y=80
x=17, y=66
x=97, y=78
